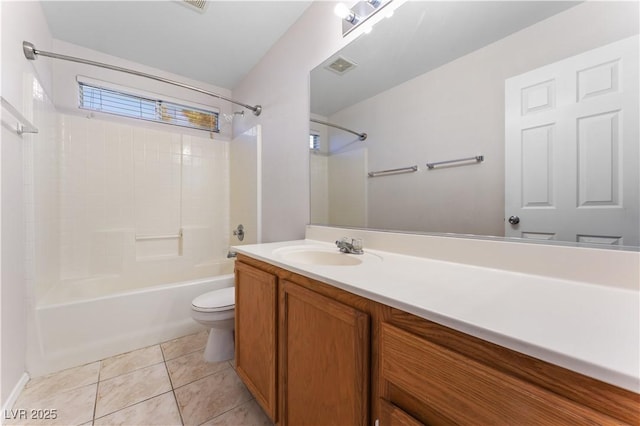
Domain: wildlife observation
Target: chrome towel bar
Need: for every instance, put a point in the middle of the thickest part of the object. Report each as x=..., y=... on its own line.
x=23, y=125
x=477, y=158
x=394, y=171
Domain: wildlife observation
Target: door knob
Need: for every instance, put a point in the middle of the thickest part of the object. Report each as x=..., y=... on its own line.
x=514, y=220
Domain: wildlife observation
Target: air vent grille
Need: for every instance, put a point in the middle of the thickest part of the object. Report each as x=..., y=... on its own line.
x=199, y=5
x=341, y=65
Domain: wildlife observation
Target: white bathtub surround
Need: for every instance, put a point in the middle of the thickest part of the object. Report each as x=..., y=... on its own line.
x=110, y=182
x=564, y=320
x=81, y=331
x=120, y=182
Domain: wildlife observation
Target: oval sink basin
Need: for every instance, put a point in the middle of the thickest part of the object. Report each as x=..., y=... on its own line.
x=321, y=257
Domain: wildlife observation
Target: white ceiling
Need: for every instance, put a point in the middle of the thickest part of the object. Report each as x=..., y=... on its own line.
x=219, y=46
x=421, y=36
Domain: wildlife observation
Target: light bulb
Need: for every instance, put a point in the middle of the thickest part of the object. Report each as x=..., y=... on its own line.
x=345, y=13
x=342, y=11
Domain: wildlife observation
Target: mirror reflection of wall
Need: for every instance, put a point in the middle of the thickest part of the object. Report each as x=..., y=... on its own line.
x=429, y=85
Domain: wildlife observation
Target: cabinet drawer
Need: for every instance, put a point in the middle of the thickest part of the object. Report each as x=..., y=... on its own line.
x=459, y=389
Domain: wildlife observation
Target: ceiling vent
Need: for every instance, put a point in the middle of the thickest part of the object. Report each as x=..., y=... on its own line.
x=341, y=65
x=197, y=5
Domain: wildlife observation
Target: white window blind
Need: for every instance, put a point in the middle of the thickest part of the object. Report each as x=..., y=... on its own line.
x=134, y=106
x=314, y=142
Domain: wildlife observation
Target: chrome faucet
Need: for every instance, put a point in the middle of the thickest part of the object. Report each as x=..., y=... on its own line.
x=353, y=247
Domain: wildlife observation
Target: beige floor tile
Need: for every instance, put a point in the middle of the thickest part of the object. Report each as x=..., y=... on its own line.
x=160, y=410
x=211, y=396
x=72, y=378
x=184, y=345
x=71, y=407
x=131, y=388
x=191, y=367
x=130, y=361
x=248, y=414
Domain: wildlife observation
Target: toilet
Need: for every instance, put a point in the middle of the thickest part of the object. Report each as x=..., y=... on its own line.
x=216, y=310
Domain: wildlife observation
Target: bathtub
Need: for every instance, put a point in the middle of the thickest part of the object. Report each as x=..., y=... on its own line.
x=88, y=329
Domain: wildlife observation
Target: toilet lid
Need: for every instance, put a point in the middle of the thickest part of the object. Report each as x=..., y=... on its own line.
x=217, y=300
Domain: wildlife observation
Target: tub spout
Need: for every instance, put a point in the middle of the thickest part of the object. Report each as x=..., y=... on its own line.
x=231, y=254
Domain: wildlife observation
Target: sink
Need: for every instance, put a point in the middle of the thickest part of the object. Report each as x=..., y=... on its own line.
x=307, y=255
x=321, y=257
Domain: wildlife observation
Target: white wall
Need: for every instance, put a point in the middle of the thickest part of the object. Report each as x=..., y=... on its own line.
x=457, y=111
x=20, y=21
x=280, y=83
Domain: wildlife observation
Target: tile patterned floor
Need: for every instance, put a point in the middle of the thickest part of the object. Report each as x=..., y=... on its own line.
x=166, y=384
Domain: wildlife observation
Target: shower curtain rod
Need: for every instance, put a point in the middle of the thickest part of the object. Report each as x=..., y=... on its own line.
x=31, y=53
x=361, y=136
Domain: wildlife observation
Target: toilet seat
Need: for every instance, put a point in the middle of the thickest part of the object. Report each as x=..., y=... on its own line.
x=215, y=301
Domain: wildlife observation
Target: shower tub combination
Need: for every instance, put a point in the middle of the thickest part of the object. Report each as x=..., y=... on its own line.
x=88, y=327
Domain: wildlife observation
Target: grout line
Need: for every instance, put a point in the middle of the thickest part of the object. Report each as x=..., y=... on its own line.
x=132, y=405
x=175, y=398
x=204, y=377
x=132, y=371
x=95, y=402
x=173, y=390
x=230, y=409
x=185, y=354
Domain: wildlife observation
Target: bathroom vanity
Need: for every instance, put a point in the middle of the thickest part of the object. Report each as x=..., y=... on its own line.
x=319, y=340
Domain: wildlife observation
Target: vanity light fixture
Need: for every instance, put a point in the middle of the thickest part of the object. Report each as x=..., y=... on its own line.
x=359, y=13
x=343, y=12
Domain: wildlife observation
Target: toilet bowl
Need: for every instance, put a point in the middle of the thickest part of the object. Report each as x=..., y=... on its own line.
x=216, y=310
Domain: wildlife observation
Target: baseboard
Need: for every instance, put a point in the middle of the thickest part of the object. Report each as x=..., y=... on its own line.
x=13, y=396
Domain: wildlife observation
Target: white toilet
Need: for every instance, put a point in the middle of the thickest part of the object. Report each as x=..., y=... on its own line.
x=216, y=310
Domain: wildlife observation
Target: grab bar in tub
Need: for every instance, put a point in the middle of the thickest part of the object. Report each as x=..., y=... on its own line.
x=158, y=237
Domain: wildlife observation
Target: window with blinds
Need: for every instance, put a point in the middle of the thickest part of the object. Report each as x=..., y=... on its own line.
x=314, y=142
x=134, y=106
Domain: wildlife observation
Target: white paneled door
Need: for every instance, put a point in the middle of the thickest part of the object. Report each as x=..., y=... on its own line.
x=572, y=149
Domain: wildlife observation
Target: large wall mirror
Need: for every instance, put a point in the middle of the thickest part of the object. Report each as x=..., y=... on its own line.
x=538, y=99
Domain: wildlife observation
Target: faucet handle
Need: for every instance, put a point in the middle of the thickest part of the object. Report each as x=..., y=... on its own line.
x=357, y=244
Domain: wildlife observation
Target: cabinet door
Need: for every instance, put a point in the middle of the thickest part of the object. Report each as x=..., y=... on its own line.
x=324, y=356
x=390, y=415
x=256, y=334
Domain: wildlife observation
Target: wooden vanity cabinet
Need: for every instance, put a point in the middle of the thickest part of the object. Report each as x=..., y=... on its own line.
x=302, y=347
x=313, y=354
x=256, y=334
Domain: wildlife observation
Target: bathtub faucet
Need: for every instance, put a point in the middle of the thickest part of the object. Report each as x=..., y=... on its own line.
x=231, y=254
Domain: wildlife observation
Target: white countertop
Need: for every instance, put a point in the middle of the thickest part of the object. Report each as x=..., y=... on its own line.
x=587, y=328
